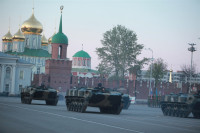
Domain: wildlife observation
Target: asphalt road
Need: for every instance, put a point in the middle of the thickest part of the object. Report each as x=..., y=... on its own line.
x=40, y=118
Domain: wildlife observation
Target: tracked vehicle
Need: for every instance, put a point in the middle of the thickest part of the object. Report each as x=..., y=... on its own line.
x=39, y=93
x=181, y=105
x=106, y=100
x=126, y=101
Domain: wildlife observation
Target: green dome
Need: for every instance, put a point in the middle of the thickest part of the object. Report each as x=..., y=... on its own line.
x=60, y=37
x=82, y=54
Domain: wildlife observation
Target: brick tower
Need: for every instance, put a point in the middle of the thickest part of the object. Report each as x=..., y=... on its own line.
x=59, y=67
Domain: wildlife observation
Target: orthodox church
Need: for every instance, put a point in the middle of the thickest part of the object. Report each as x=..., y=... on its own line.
x=28, y=44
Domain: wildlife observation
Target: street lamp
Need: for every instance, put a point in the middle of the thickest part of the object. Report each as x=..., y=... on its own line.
x=191, y=49
x=151, y=69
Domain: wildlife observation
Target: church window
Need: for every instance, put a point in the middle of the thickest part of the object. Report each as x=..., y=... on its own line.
x=21, y=75
x=83, y=62
x=7, y=88
x=38, y=70
x=8, y=72
x=15, y=47
x=27, y=42
x=75, y=61
x=79, y=62
x=5, y=47
x=88, y=63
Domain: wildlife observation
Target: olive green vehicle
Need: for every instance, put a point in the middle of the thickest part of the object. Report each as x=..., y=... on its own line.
x=181, y=105
x=39, y=93
x=107, y=101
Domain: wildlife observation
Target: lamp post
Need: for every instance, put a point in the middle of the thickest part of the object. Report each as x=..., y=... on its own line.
x=151, y=69
x=191, y=49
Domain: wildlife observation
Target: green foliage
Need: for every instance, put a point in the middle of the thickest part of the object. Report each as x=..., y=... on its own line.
x=120, y=50
x=159, y=69
x=103, y=70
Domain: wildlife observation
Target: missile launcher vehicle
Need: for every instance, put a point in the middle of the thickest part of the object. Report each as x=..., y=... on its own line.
x=39, y=93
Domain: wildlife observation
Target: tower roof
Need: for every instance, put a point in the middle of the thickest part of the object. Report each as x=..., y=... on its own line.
x=82, y=54
x=7, y=36
x=32, y=25
x=60, y=37
x=44, y=41
x=18, y=35
x=50, y=39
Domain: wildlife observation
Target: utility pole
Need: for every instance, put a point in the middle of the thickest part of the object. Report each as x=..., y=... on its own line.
x=191, y=49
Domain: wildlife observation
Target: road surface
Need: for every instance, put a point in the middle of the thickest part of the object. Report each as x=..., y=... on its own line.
x=40, y=118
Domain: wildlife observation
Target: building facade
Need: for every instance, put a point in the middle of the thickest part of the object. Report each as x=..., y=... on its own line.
x=14, y=74
x=81, y=65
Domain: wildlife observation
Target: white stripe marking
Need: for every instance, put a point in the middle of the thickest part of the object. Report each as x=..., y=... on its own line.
x=74, y=118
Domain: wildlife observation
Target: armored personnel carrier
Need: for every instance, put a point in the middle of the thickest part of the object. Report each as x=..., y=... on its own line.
x=126, y=101
x=106, y=100
x=181, y=105
x=39, y=93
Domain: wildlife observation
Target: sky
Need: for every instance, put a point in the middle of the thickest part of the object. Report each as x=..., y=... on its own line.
x=165, y=26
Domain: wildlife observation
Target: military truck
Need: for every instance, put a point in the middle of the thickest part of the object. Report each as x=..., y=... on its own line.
x=106, y=100
x=181, y=105
x=39, y=93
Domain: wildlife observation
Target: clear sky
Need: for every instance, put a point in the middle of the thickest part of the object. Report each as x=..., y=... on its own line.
x=165, y=26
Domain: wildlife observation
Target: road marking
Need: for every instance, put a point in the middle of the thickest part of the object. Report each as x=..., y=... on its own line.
x=149, y=123
x=74, y=118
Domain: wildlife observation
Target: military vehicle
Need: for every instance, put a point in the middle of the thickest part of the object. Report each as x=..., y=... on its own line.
x=126, y=101
x=181, y=105
x=106, y=100
x=39, y=93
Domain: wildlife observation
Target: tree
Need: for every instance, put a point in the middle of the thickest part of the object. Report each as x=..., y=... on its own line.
x=103, y=71
x=186, y=69
x=120, y=50
x=159, y=69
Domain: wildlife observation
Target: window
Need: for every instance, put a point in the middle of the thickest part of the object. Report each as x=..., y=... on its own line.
x=7, y=88
x=88, y=63
x=8, y=71
x=15, y=47
x=5, y=47
x=79, y=62
x=27, y=42
x=59, y=52
x=38, y=70
x=21, y=74
x=83, y=62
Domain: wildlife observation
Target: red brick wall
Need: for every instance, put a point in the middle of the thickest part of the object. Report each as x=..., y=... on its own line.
x=55, y=47
x=59, y=72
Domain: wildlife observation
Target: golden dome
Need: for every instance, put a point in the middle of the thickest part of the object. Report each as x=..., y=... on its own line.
x=32, y=26
x=44, y=41
x=18, y=36
x=50, y=39
x=7, y=37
